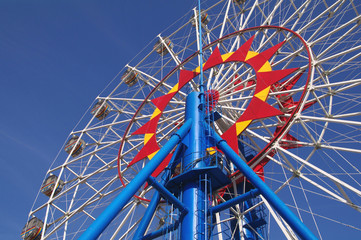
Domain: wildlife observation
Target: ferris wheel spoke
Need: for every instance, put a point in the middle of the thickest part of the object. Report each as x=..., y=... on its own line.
x=321, y=27
x=233, y=108
x=290, y=235
x=78, y=181
x=313, y=167
x=346, y=115
x=170, y=50
x=303, y=176
x=126, y=217
x=341, y=54
x=345, y=199
x=89, y=154
x=334, y=92
x=177, y=116
x=122, y=99
x=264, y=139
x=330, y=119
x=268, y=18
x=165, y=134
x=108, y=126
x=71, y=213
x=246, y=18
x=254, y=144
x=219, y=80
x=320, y=15
x=297, y=14
x=226, y=98
x=157, y=81
x=346, y=163
x=339, y=39
x=225, y=19
x=336, y=148
x=310, y=209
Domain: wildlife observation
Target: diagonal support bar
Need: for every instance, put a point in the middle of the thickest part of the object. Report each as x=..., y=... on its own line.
x=271, y=197
x=149, y=212
x=161, y=231
x=144, y=223
x=105, y=218
x=168, y=195
x=237, y=200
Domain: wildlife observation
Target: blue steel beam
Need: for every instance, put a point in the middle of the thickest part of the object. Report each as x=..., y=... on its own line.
x=161, y=231
x=143, y=225
x=237, y=200
x=295, y=223
x=167, y=195
x=193, y=195
x=104, y=219
x=147, y=217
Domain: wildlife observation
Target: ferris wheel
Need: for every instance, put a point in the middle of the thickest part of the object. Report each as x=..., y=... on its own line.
x=278, y=80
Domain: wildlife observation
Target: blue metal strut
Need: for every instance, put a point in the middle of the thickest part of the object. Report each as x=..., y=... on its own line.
x=104, y=219
x=192, y=194
x=295, y=223
x=143, y=225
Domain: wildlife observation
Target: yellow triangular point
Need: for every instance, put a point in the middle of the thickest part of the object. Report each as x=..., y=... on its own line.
x=225, y=56
x=150, y=156
x=250, y=55
x=262, y=95
x=147, y=136
x=240, y=126
x=211, y=150
x=174, y=89
x=156, y=113
x=265, y=68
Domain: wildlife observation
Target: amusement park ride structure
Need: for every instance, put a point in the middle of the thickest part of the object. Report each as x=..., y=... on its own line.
x=199, y=146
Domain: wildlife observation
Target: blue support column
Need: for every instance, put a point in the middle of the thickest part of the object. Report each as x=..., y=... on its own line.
x=192, y=194
x=161, y=231
x=143, y=225
x=167, y=195
x=104, y=219
x=267, y=193
x=237, y=200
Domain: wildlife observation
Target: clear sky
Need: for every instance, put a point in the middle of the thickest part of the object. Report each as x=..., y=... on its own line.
x=56, y=57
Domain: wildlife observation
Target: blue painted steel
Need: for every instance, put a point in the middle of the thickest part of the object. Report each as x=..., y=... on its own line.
x=247, y=221
x=246, y=218
x=237, y=200
x=248, y=231
x=270, y=196
x=143, y=225
x=167, y=195
x=192, y=194
x=195, y=137
x=161, y=231
x=98, y=226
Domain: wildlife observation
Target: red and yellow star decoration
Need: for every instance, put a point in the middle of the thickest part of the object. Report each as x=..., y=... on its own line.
x=258, y=108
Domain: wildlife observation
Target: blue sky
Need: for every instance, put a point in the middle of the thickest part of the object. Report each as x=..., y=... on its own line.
x=56, y=57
